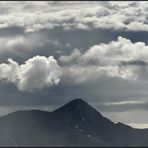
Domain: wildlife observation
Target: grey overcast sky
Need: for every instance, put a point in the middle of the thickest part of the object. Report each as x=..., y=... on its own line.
x=53, y=52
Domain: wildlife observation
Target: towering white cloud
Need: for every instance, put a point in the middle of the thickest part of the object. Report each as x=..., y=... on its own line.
x=35, y=73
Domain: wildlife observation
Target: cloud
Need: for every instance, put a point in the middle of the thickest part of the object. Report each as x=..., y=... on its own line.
x=34, y=16
x=36, y=73
x=24, y=46
x=120, y=58
x=10, y=43
x=123, y=105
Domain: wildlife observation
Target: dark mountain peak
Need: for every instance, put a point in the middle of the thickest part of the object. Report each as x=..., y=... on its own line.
x=76, y=102
x=79, y=110
x=74, y=106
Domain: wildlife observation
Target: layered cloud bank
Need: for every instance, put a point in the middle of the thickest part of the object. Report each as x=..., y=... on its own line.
x=36, y=73
x=33, y=16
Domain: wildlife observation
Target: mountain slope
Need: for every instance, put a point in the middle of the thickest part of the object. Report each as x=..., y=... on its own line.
x=74, y=124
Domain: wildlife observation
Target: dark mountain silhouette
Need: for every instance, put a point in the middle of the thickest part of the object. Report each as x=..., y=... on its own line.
x=74, y=124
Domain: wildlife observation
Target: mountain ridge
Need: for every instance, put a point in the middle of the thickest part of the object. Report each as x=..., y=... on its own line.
x=74, y=124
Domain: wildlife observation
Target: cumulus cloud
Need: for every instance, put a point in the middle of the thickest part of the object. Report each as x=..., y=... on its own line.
x=120, y=58
x=35, y=73
x=120, y=50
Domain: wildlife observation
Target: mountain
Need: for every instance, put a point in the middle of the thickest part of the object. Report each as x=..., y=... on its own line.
x=74, y=124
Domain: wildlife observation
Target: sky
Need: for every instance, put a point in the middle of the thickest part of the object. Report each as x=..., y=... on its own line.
x=54, y=52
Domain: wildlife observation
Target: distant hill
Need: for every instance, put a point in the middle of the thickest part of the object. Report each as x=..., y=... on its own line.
x=74, y=124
